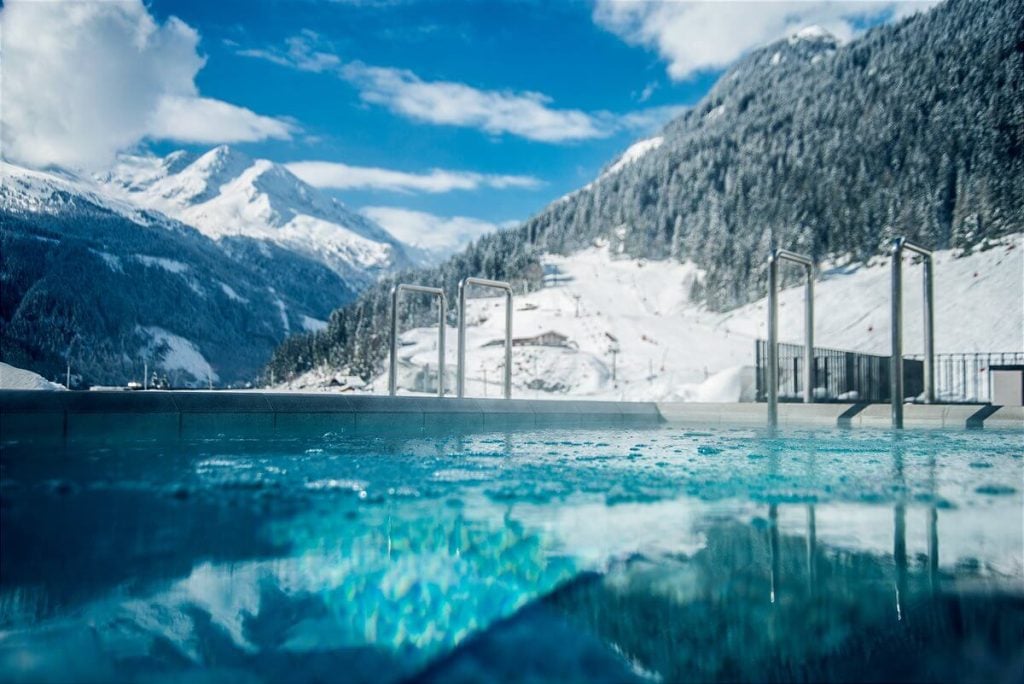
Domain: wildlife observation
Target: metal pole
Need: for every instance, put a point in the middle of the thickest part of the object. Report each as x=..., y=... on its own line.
x=896, y=360
x=508, y=343
x=809, y=338
x=393, y=359
x=460, y=382
x=460, y=373
x=772, y=381
x=442, y=309
x=929, y=331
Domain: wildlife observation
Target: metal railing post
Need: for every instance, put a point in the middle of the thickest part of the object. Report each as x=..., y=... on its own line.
x=460, y=382
x=809, y=337
x=896, y=357
x=898, y=245
x=772, y=383
x=393, y=357
x=929, y=330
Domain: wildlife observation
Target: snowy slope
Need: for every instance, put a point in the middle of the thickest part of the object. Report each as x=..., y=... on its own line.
x=672, y=349
x=225, y=193
x=632, y=153
x=55, y=192
x=12, y=378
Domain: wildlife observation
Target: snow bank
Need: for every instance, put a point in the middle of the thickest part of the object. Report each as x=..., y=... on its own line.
x=730, y=385
x=12, y=378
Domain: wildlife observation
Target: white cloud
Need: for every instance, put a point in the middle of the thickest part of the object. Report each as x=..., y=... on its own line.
x=345, y=177
x=302, y=53
x=83, y=80
x=204, y=120
x=525, y=114
x=695, y=36
x=439, y=236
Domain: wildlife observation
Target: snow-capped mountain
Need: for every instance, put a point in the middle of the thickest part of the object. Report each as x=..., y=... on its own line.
x=91, y=277
x=225, y=193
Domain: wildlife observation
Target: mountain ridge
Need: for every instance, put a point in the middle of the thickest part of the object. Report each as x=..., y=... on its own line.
x=93, y=275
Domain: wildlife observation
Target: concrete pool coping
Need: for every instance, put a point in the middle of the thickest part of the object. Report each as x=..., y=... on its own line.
x=27, y=415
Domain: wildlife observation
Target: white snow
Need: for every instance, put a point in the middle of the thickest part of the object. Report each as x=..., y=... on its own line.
x=181, y=354
x=715, y=113
x=632, y=153
x=51, y=192
x=812, y=33
x=172, y=265
x=310, y=324
x=225, y=193
x=669, y=348
x=232, y=295
x=112, y=261
x=13, y=378
x=282, y=311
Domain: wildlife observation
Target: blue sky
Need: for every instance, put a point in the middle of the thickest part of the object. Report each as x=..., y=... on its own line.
x=554, y=49
x=418, y=112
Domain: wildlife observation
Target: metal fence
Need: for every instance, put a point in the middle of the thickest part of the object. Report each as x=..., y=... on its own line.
x=838, y=375
x=851, y=376
x=965, y=378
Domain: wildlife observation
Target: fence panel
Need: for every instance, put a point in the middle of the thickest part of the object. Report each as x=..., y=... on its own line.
x=839, y=375
x=965, y=378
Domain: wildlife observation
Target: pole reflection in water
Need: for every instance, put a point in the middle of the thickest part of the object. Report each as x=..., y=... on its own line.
x=899, y=534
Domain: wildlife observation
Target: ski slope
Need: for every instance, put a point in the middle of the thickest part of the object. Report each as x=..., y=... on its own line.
x=669, y=348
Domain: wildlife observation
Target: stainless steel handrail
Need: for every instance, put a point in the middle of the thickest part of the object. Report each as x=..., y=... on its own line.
x=460, y=382
x=392, y=368
x=772, y=383
x=896, y=369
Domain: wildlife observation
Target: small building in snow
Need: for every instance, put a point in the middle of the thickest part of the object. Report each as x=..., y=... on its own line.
x=544, y=339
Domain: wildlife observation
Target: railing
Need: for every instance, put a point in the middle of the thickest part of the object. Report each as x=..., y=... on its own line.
x=780, y=255
x=460, y=380
x=836, y=375
x=897, y=392
x=965, y=378
x=393, y=360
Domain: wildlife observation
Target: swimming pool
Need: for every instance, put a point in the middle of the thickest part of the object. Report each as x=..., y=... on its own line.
x=647, y=554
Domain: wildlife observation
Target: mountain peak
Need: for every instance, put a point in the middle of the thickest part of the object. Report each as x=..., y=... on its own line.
x=222, y=159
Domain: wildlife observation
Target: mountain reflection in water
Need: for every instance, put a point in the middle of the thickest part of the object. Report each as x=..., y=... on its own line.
x=633, y=556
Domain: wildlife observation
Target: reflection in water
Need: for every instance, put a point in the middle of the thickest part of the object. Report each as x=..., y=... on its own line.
x=552, y=556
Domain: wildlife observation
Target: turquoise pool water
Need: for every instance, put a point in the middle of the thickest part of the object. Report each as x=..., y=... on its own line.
x=647, y=555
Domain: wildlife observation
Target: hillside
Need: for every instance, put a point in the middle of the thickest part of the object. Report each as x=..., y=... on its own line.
x=672, y=348
x=109, y=286
x=914, y=129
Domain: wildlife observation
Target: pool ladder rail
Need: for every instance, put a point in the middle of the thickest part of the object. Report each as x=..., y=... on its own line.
x=899, y=245
x=461, y=367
